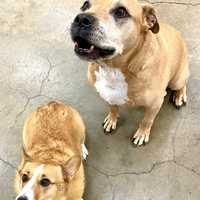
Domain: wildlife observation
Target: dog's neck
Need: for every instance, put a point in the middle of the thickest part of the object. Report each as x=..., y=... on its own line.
x=48, y=155
x=137, y=58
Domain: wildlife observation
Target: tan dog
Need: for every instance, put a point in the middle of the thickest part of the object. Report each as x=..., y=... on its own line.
x=134, y=58
x=51, y=168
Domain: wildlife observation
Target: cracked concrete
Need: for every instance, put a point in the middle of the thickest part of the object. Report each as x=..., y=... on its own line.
x=189, y=3
x=37, y=64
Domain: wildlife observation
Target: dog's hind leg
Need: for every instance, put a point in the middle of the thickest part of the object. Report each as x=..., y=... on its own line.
x=179, y=89
x=178, y=84
x=110, y=122
x=179, y=97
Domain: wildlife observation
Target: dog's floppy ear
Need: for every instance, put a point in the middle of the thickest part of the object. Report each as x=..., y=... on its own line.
x=150, y=19
x=71, y=166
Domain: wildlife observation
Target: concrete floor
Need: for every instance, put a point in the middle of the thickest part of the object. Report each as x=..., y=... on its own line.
x=37, y=64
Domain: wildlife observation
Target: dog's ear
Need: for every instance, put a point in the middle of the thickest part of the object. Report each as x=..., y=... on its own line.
x=25, y=155
x=150, y=19
x=71, y=166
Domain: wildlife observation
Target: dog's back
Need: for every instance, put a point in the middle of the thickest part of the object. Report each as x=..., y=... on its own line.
x=52, y=129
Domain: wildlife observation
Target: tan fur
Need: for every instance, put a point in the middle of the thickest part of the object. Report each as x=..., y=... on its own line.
x=52, y=135
x=150, y=62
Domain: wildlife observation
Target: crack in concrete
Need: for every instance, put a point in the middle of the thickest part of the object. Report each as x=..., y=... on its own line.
x=40, y=90
x=156, y=164
x=108, y=179
x=24, y=108
x=46, y=78
x=132, y=172
x=172, y=2
x=22, y=111
x=186, y=168
x=7, y=163
x=51, y=66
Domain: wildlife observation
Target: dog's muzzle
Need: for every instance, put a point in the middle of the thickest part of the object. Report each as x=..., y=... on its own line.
x=85, y=35
x=22, y=198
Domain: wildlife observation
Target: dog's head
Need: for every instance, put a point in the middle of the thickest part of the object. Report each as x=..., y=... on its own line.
x=106, y=28
x=38, y=181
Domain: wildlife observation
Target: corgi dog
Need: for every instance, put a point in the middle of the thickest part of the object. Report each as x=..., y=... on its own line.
x=53, y=150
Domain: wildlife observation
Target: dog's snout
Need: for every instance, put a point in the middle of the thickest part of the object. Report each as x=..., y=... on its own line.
x=84, y=20
x=22, y=198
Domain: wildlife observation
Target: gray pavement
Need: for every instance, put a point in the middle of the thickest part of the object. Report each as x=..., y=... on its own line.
x=37, y=64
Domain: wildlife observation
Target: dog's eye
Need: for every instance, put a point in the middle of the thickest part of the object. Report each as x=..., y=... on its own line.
x=25, y=178
x=85, y=6
x=45, y=182
x=120, y=12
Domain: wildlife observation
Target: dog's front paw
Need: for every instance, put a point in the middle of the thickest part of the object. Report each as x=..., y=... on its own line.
x=110, y=124
x=140, y=137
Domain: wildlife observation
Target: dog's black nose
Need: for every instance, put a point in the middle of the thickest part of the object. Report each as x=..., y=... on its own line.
x=84, y=20
x=22, y=198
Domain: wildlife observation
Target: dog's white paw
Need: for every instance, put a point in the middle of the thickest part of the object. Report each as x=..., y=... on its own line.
x=179, y=98
x=110, y=124
x=140, y=137
x=84, y=152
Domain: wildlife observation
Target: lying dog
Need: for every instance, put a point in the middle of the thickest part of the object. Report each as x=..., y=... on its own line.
x=134, y=58
x=51, y=167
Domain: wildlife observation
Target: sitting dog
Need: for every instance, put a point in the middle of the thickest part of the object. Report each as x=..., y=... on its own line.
x=133, y=58
x=51, y=166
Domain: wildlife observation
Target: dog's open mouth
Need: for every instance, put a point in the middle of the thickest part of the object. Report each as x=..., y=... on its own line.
x=88, y=50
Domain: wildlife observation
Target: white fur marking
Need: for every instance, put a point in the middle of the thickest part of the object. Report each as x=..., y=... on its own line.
x=84, y=151
x=111, y=85
x=111, y=38
x=28, y=188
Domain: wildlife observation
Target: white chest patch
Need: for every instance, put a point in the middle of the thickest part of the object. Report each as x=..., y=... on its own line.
x=111, y=85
